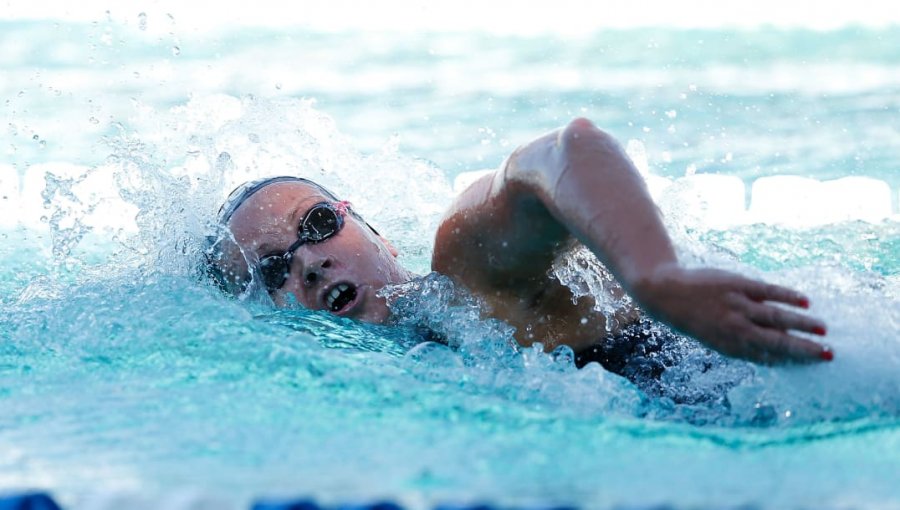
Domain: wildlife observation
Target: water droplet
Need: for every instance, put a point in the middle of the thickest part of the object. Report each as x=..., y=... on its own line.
x=278, y=86
x=176, y=50
x=690, y=170
x=142, y=21
x=253, y=137
x=35, y=137
x=94, y=120
x=137, y=74
x=43, y=143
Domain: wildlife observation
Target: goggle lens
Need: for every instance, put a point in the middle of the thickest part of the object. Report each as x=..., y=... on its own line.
x=274, y=271
x=321, y=222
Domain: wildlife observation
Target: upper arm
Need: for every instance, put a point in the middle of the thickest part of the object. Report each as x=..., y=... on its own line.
x=498, y=233
x=575, y=183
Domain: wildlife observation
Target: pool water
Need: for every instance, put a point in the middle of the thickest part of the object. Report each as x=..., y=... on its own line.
x=124, y=377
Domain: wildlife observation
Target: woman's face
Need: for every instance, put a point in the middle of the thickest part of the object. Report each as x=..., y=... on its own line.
x=341, y=274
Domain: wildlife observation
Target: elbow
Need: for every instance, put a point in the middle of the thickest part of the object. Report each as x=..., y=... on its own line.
x=583, y=145
x=542, y=164
x=581, y=134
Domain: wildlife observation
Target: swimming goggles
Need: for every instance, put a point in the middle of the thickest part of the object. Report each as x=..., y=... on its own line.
x=321, y=222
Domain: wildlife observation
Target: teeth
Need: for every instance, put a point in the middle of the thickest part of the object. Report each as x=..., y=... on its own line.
x=335, y=292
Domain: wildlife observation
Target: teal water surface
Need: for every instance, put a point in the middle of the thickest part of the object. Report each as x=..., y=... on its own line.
x=122, y=371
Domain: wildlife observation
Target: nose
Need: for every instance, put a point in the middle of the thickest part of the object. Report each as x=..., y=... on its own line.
x=314, y=272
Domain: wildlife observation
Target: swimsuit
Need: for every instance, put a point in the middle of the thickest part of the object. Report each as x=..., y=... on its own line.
x=640, y=352
x=666, y=365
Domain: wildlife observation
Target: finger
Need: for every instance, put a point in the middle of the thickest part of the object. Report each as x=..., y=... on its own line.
x=772, y=346
x=778, y=318
x=759, y=292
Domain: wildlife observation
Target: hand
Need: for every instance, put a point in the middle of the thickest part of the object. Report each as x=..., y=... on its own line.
x=733, y=314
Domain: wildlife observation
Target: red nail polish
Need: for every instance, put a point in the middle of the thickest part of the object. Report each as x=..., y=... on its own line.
x=804, y=303
x=826, y=355
x=819, y=331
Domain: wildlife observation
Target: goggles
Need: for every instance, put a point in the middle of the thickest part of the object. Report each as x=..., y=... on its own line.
x=314, y=228
x=321, y=222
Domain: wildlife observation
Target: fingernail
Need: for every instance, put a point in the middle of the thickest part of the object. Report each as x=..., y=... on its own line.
x=804, y=303
x=819, y=331
x=826, y=354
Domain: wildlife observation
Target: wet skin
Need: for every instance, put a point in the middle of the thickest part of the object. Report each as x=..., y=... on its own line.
x=499, y=240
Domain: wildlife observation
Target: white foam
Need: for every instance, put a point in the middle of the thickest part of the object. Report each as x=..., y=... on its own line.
x=804, y=202
x=716, y=201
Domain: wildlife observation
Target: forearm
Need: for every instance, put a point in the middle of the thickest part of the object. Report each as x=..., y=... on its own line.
x=589, y=184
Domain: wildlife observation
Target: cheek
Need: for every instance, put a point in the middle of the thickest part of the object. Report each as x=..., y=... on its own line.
x=287, y=299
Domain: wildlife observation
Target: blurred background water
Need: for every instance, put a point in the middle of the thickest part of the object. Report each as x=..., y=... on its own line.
x=772, y=148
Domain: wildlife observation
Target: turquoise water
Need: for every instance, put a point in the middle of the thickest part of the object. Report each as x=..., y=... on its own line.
x=122, y=373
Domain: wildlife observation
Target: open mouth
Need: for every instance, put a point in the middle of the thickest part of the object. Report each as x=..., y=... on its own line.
x=340, y=297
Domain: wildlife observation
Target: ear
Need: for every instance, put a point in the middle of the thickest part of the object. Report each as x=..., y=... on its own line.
x=393, y=251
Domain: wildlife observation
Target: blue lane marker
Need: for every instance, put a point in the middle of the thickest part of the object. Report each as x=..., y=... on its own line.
x=312, y=505
x=28, y=501
x=41, y=501
x=284, y=505
x=385, y=505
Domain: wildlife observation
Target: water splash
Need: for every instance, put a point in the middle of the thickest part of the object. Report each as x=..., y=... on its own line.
x=580, y=270
x=68, y=211
x=435, y=303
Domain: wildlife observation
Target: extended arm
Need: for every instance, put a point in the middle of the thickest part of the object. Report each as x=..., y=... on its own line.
x=579, y=182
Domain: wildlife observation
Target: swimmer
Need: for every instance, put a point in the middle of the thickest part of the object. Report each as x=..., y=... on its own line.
x=499, y=239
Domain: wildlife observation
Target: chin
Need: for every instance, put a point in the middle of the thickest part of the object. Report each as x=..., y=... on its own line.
x=375, y=309
x=376, y=314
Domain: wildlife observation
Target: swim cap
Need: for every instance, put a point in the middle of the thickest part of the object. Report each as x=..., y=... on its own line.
x=229, y=281
x=243, y=192
x=226, y=280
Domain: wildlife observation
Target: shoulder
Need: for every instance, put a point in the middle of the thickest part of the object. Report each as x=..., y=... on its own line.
x=465, y=226
x=497, y=235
